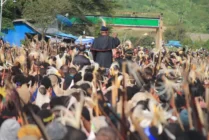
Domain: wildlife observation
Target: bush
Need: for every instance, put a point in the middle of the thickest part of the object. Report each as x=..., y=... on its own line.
x=146, y=41
x=175, y=33
x=206, y=45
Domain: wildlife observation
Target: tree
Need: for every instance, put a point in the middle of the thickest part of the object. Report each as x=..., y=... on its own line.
x=43, y=12
x=11, y=11
x=8, y=14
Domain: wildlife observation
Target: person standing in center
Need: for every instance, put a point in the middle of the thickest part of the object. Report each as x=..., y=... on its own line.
x=102, y=48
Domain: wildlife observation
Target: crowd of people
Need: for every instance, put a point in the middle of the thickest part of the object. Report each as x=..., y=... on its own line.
x=108, y=90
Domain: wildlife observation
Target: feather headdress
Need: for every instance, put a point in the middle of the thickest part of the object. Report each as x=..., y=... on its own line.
x=167, y=87
x=103, y=22
x=21, y=59
x=71, y=118
x=52, y=70
x=34, y=54
x=128, y=44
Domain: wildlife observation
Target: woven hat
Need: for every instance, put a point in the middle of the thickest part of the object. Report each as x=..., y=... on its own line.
x=29, y=138
x=29, y=130
x=9, y=129
x=56, y=130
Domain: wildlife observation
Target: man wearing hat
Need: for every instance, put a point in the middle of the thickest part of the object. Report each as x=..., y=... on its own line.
x=102, y=48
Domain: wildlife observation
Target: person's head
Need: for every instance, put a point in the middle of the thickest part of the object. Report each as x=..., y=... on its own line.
x=36, y=66
x=114, y=69
x=46, y=116
x=65, y=70
x=9, y=129
x=117, y=54
x=17, y=64
x=115, y=35
x=104, y=30
x=46, y=86
x=88, y=76
x=62, y=50
x=15, y=70
x=72, y=71
x=81, y=48
x=19, y=80
x=129, y=54
x=56, y=131
x=106, y=133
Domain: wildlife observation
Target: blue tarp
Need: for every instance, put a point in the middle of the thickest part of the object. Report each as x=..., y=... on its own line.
x=15, y=35
x=85, y=41
x=174, y=43
x=64, y=20
x=60, y=34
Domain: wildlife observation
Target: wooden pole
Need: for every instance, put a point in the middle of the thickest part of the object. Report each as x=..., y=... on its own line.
x=159, y=34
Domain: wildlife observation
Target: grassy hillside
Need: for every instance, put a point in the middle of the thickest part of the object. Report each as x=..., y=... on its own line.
x=194, y=14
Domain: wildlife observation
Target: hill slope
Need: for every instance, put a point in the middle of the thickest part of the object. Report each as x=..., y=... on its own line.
x=194, y=14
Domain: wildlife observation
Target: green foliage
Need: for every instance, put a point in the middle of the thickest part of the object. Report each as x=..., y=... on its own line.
x=12, y=10
x=146, y=41
x=134, y=40
x=192, y=13
x=8, y=14
x=187, y=41
x=175, y=33
x=43, y=12
x=206, y=45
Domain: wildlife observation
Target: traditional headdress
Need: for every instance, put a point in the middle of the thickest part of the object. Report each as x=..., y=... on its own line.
x=103, y=28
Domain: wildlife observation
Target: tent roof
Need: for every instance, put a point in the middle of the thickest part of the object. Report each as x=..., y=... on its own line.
x=66, y=35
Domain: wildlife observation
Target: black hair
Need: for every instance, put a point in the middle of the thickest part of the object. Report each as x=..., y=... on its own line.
x=35, y=109
x=42, y=71
x=15, y=70
x=131, y=91
x=75, y=86
x=86, y=114
x=180, y=102
x=62, y=49
x=38, y=78
x=72, y=70
x=32, y=79
x=85, y=87
x=45, y=65
x=46, y=82
x=67, y=82
x=45, y=114
x=42, y=90
x=59, y=101
x=19, y=79
x=88, y=77
x=81, y=48
x=108, y=95
x=45, y=106
x=77, y=77
x=197, y=88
